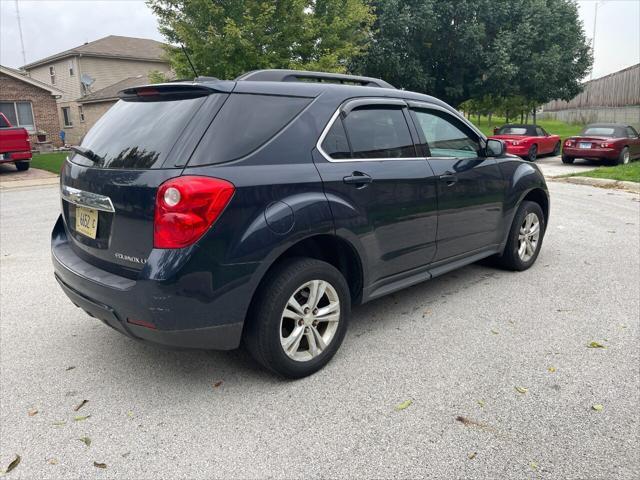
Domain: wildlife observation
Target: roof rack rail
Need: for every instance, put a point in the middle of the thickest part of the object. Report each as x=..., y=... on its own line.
x=304, y=75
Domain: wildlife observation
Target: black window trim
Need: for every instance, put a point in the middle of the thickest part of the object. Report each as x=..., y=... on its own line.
x=427, y=106
x=352, y=104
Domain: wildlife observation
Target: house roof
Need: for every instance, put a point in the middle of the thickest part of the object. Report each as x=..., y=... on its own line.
x=111, y=92
x=113, y=46
x=23, y=77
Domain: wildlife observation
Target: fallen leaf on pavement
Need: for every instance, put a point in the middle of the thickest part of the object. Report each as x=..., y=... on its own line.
x=70, y=368
x=404, y=405
x=99, y=465
x=551, y=369
x=130, y=414
x=481, y=403
x=81, y=418
x=495, y=332
x=80, y=405
x=13, y=464
x=595, y=345
x=533, y=465
x=59, y=423
x=52, y=461
x=472, y=455
x=597, y=407
x=521, y=389
x=32, y=412
x=86, y=441
x=217, y=384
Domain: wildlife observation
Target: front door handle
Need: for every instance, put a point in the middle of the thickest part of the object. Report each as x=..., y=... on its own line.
x=450, y=178
x=358, y=179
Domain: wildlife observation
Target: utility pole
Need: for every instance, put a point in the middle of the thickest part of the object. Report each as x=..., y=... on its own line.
x=24, y=56
x=593, y=42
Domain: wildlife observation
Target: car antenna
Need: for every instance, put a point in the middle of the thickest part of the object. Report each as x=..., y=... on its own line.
x=184, y=50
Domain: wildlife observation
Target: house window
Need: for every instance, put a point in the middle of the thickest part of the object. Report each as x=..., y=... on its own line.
x=66, y=115
x=71, y=68
x=20, y=114
x=52, y=74
x=81, y=113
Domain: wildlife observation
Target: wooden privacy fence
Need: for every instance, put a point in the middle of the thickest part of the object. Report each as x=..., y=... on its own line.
x=619, y=89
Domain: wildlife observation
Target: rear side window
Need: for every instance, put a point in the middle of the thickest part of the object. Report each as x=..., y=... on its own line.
x=335, y=143
x=245, y=123
x=138, y=135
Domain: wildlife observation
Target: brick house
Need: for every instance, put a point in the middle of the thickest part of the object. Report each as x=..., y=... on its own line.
x=31, y=104
x=84, y=70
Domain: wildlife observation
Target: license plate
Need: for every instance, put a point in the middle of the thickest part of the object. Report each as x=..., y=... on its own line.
x=87, y=221
x=585, y=145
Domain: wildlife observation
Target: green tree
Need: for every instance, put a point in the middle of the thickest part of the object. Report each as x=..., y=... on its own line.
x=225, y=38
x=479, y=49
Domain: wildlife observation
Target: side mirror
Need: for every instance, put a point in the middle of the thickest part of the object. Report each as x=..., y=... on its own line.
x=495, y=148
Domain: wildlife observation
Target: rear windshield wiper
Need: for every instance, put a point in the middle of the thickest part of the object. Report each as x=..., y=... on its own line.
x=87, y=153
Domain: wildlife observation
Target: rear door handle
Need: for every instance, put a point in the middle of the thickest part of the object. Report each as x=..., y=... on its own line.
x=450, y=178
x=358, y=179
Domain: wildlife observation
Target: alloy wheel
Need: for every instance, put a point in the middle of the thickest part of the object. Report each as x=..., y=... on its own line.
x=528, y=237
x=310, y=320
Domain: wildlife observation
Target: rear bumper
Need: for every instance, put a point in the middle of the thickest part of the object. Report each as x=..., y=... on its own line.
x=591, y=153
x=174, y=317
x=518, y=150
x=15, y=156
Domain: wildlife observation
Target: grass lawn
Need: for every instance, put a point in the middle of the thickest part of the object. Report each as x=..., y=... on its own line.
x=51, y=162
x=554, y=127
x=629, y=172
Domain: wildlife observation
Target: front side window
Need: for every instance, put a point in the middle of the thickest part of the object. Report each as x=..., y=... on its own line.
x=52, y=74
x=631, y=133
x=19, y=114
x=444, y=136
x=66, y=116
x=539, y=132
x=379, y=133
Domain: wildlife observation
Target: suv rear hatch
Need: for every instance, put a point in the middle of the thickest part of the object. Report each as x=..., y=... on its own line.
x=109, y=183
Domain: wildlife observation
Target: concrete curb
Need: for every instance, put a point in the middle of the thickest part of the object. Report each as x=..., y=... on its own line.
x=37, y=182
x=600, y=182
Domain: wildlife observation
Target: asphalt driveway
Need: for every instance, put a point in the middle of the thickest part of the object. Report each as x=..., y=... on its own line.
x=457, y=346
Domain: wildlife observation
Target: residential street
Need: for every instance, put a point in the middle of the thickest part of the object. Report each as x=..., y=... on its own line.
x=457, y=346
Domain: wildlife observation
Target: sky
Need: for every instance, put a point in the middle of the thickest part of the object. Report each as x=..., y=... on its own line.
x=52, y=26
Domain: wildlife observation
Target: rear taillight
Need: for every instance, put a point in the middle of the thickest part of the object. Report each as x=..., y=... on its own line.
x=606, y=145
x=569, y=143
x=186, y=207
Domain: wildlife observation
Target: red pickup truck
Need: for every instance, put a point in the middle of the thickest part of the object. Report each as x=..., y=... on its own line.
x=15, y=145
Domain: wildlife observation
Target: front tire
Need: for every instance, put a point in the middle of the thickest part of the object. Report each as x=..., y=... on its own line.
x=525, y=237
x=299, y=317
x=624, y=157
x=23, y=166
x=567, y=159
x=533, y=153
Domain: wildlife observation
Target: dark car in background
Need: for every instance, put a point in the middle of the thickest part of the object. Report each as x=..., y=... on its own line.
x=605, y=142
x=528, y=141
x=209, y=213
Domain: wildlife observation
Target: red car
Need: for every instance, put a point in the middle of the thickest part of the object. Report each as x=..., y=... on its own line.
x=15, y=146
x=609, y=142
x=528, y=141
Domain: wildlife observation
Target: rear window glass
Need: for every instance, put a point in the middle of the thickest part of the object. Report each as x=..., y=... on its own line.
x=246, y=122
x=137, y=135
x=601, y=132
x=379, y=133
x=335, y=143
x=512, y=131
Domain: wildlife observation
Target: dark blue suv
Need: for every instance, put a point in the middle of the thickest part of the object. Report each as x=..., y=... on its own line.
x=209, y=213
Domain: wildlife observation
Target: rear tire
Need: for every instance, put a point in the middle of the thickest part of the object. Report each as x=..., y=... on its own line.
x=533, y=153
x=274, y=325
x=556, y=150
x=523, y=245
x=566, y=159
x=624, y=157
x=23, y=166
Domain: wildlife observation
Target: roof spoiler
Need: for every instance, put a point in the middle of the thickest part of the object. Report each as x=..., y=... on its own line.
x=308, y=76
x=174, y=91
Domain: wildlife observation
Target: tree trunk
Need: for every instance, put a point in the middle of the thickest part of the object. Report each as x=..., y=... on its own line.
x=534, y=117
x=490, y=115
x=521, y=117
x=526, y=118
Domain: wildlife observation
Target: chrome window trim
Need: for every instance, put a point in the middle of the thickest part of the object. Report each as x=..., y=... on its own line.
x=86, y=199
x=338, y=160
